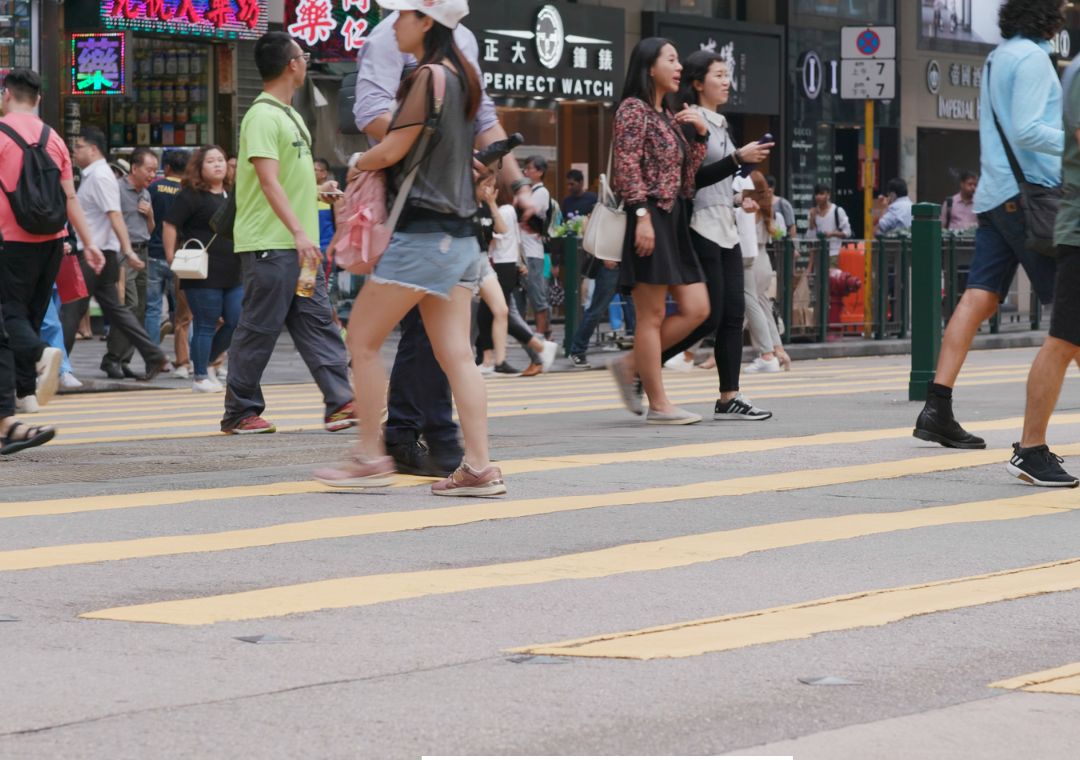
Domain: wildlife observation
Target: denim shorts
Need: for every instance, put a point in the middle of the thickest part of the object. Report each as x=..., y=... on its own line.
x=431, y=262
x=1000, y=249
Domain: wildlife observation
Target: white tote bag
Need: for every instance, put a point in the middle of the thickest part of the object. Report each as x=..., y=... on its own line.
x=605, y=229
x=191, y=261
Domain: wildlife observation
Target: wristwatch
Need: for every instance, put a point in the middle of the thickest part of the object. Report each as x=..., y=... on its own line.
x=641, y=212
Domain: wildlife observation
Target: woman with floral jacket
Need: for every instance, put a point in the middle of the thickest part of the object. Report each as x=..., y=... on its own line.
x=655, y=164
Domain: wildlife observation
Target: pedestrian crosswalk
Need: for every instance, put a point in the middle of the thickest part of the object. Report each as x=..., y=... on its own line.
x=164, y=414
x=884, y=457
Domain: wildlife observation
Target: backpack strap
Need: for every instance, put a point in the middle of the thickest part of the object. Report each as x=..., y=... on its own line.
x=948, y=212
x=836, y=216
x=15, y=136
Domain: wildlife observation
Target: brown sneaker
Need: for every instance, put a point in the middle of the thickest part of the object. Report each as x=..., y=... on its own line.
x=468, y=482
x=356, y=473
x=532, y=370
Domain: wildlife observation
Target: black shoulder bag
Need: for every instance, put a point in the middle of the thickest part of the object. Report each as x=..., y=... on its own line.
x=1039, y=204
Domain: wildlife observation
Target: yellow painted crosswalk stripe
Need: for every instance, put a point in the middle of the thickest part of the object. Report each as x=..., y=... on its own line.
x=509, y=467
x=632, y=558
x=803, y=620
x=1063, y=680
x=419, y=519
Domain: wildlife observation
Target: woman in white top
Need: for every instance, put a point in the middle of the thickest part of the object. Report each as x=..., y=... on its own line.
x=706, y=84
x=764, y=332
x=497, y=281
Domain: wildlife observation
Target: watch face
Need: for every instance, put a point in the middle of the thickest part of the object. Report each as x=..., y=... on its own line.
x=641, y=211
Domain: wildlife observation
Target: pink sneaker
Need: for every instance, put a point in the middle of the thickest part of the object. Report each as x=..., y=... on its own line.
x=356, y=473
x=468, y=482
x=343, y=419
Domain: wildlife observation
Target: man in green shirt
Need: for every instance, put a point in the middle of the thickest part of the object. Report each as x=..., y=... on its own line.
x=276, y=233
x=1032, y=460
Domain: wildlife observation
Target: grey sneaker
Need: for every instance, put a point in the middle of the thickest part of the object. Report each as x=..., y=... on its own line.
x=678, y=417
x=628, y=389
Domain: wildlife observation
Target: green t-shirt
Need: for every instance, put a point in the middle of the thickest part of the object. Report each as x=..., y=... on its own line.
x=269, y=132
x=1067, y=229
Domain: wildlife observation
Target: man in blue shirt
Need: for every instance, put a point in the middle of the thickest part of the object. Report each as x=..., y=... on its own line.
x=897, y=214
x=419, y=401
x=1021, y=88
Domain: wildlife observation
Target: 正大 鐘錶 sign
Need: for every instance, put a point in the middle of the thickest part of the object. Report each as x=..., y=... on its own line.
x=550, y=50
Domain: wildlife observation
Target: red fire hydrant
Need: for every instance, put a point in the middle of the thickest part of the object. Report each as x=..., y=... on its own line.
x=841, y=285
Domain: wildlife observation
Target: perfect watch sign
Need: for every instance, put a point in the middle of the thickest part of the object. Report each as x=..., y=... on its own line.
x=551, y=51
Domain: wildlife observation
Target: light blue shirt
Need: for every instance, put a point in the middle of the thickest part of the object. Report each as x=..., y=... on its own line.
x=897, y=217
x=1026, y=95
x=379, y=66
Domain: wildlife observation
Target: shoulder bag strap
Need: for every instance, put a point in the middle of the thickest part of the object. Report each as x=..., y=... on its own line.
x=1018, y=174
x=438, y=75
x=270, y=101
x=948, y=212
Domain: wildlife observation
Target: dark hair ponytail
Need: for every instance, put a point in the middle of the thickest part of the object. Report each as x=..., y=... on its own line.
x=695, y=69
x=439, y=44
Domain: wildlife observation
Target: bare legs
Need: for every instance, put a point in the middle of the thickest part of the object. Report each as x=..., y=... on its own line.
x=655, y=332
x=975, y=307
x=1044, y=386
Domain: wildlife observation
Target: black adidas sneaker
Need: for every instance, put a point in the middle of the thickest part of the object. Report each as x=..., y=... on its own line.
x=1040, y=466
x=739, y=408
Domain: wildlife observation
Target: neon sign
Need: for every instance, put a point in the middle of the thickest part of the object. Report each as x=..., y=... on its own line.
x=217, y=19
x=333, y=30
x=98, y=64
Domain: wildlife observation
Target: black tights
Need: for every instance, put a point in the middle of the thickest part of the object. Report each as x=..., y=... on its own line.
x=723, y=269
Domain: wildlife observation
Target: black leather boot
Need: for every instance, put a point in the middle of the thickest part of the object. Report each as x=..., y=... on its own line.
x=937, y=425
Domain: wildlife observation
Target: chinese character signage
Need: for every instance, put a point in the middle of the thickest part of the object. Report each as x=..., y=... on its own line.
x=216, y=19
x=333, y=30
x=549, y=51
x=752, y=52
x=97, y=64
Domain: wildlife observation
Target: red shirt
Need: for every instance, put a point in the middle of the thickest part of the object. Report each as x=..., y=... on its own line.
x=11, y=161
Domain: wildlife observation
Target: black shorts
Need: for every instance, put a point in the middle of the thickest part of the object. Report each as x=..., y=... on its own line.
x=1065, y=317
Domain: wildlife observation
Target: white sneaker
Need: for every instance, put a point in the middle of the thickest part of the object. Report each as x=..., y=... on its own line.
x=487, y=369
x=69, y=382
x=547, y=355
x=680, y=363
x=763, y=365
x=206, y=385
x=27, y=405
x=181, y=373
x=48, y=374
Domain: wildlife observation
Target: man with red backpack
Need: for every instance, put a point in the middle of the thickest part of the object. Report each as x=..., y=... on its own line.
x=37, y=201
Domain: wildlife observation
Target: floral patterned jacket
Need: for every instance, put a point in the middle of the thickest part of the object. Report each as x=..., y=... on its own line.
x=653, y=159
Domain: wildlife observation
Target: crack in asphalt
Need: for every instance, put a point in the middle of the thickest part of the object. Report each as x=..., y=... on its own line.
x=243, y=697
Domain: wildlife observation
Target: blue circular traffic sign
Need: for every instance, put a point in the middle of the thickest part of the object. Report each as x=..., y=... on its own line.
x=869, y=42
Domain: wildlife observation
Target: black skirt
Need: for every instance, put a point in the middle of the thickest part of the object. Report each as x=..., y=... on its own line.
x=673, y=260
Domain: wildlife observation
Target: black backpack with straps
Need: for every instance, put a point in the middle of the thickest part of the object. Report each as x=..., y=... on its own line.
x=38, y=199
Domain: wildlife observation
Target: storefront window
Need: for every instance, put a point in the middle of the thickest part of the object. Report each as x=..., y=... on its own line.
x=861, y=11
x=15, y=35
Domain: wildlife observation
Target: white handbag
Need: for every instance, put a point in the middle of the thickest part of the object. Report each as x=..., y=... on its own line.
x=605, y=228
x=191, y=261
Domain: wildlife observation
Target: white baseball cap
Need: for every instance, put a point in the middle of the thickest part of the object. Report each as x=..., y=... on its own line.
x=447, y=12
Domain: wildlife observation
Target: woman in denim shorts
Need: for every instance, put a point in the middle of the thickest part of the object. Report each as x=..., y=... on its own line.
x=433, y=259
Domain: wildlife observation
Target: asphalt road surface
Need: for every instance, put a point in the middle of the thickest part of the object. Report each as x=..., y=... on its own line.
x=640, y=591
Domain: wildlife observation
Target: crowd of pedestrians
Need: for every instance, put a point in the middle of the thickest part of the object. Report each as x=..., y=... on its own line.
x=695, y=261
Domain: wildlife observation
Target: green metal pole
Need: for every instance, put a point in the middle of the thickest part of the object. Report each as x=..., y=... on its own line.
x=904, y=287
x=882, y=289
x=1036, y=311
x=788, y=262
x=572, y=287
x=823, y=288
x=926, y=297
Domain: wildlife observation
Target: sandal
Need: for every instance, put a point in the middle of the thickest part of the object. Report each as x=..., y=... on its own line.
x=21, y=436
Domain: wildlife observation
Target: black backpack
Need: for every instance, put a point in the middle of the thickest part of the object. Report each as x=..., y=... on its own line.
x=38, y=200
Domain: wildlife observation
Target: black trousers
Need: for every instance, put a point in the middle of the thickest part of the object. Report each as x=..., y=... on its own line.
x=419, y=400
x=723, y=269
x=27, y=274
x=516, y=327
x=7, y=371
x=102, y=286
